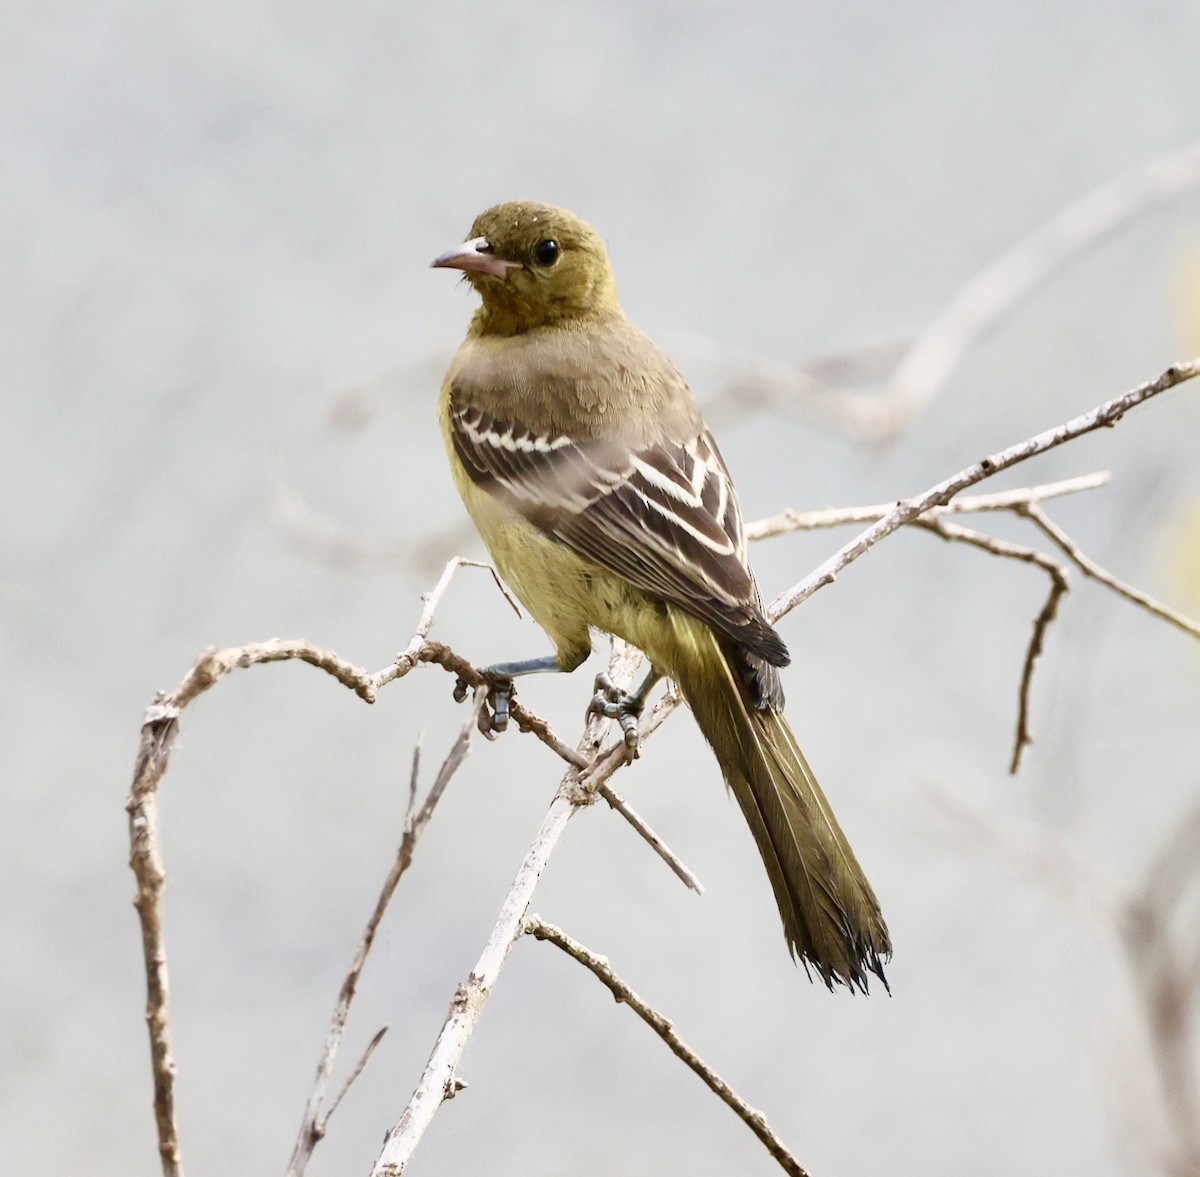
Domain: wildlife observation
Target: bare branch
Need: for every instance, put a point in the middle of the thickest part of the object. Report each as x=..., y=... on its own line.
x=214, y=665
x=441, y=655
x=662, y=1026
x=907, y=510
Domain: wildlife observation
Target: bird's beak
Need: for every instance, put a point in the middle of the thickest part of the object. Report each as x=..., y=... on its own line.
x=475, y=256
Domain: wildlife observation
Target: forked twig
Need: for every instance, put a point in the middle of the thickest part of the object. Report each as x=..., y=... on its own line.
x=941, y=493
x=1025, y=502
x=1059, y=587
x=316, y=1117
x=439, y=1080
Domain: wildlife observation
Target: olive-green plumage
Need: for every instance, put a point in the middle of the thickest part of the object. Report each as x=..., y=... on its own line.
x=586, y=465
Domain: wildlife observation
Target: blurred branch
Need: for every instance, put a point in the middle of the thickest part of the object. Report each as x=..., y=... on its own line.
x=997, y=290
x=1144, y=933
x=599, y=967
x=319, y=536
x=823, y=390
x=1160, y=957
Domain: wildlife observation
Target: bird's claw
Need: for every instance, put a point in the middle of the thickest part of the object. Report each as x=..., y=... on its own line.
x=493, y=715
x=614, y=703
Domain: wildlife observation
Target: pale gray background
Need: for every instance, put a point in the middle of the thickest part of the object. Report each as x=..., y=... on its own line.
x=215, y=218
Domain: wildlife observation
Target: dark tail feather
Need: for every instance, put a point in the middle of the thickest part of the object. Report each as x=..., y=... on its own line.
x=830, y=914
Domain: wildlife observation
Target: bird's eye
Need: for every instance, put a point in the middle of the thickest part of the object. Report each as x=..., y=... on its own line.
x=546, y=252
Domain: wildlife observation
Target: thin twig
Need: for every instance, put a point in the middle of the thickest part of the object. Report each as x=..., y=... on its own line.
x=411, y=654
x=313, y=1125
x=662, y=1026
x=355, y=1071
x=414, y=779
x=680, y=868
x=1059, y=586
x=1041, y=623
x=1090, y=568
x=907, y=510
x=1005, y=500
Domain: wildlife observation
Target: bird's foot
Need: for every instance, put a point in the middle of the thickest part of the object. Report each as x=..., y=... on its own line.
x=614, y=703
x=493, y=715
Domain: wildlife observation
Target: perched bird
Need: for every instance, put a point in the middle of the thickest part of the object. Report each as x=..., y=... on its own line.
x=586, y=465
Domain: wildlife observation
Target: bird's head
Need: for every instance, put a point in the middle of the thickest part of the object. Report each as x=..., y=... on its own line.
x=534, y=266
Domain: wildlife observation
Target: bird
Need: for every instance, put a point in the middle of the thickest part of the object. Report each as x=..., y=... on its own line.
x=585, y=463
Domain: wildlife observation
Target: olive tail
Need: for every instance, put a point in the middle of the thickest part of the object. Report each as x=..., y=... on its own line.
x=830, y=914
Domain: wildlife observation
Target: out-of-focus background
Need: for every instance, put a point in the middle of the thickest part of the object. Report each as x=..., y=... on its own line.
x=220, y=348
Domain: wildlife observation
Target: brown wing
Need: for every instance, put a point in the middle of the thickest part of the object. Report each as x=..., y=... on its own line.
x=665, y=517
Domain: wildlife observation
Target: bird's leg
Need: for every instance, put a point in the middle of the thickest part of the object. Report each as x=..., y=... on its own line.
x=500, y=677
x=623, y=706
